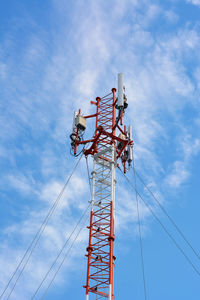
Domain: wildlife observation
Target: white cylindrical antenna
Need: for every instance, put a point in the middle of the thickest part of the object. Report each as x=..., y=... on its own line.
x=130, y=132
x=120, y=101
x=130, y=147
x=74, y=123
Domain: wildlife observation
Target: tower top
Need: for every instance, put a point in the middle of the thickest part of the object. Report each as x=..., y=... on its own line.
x=109, y=128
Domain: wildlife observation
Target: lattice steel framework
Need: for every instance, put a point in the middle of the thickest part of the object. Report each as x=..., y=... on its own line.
x=101, y=238
x=106, y=148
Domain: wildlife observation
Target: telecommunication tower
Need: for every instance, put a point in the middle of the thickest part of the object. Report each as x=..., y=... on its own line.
x=110, y=143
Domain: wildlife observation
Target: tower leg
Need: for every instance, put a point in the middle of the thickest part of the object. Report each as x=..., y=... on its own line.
x=101, y=235
x=112, y=232
x=89, y=249
x=110, y=292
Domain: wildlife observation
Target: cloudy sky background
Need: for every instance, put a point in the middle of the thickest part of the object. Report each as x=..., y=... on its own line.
x=56, y=56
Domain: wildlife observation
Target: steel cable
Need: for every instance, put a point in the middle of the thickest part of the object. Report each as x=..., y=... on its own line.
x=168, y=216
x=164, y=228
x=140, y=236
x=37, y=236
x=60, y=252
x=88, y=173
x=63, y=260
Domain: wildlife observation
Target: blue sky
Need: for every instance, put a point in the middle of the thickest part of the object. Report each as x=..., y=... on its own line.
x=55, y=56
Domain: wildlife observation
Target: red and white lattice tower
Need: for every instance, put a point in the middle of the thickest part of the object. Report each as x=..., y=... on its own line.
x=110, y=143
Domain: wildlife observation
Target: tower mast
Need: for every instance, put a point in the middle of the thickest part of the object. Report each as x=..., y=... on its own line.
x=106, y=148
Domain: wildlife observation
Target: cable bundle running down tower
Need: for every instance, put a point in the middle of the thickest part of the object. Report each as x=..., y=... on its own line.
x=111, y=142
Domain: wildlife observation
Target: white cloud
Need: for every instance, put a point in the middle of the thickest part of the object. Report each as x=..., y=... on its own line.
x=21, y=183
x=195, y=2
x=16, y=238
x=126, y=209
x=180, y=172
x=171, y=16
x=153, y=11
x=75, y=191
x=3, y=71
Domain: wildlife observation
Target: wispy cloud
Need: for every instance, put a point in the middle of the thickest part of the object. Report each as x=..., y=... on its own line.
x=57, y=231
x=60, y=72
x=195, y=2
x=20, y=183
x=180, y=170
